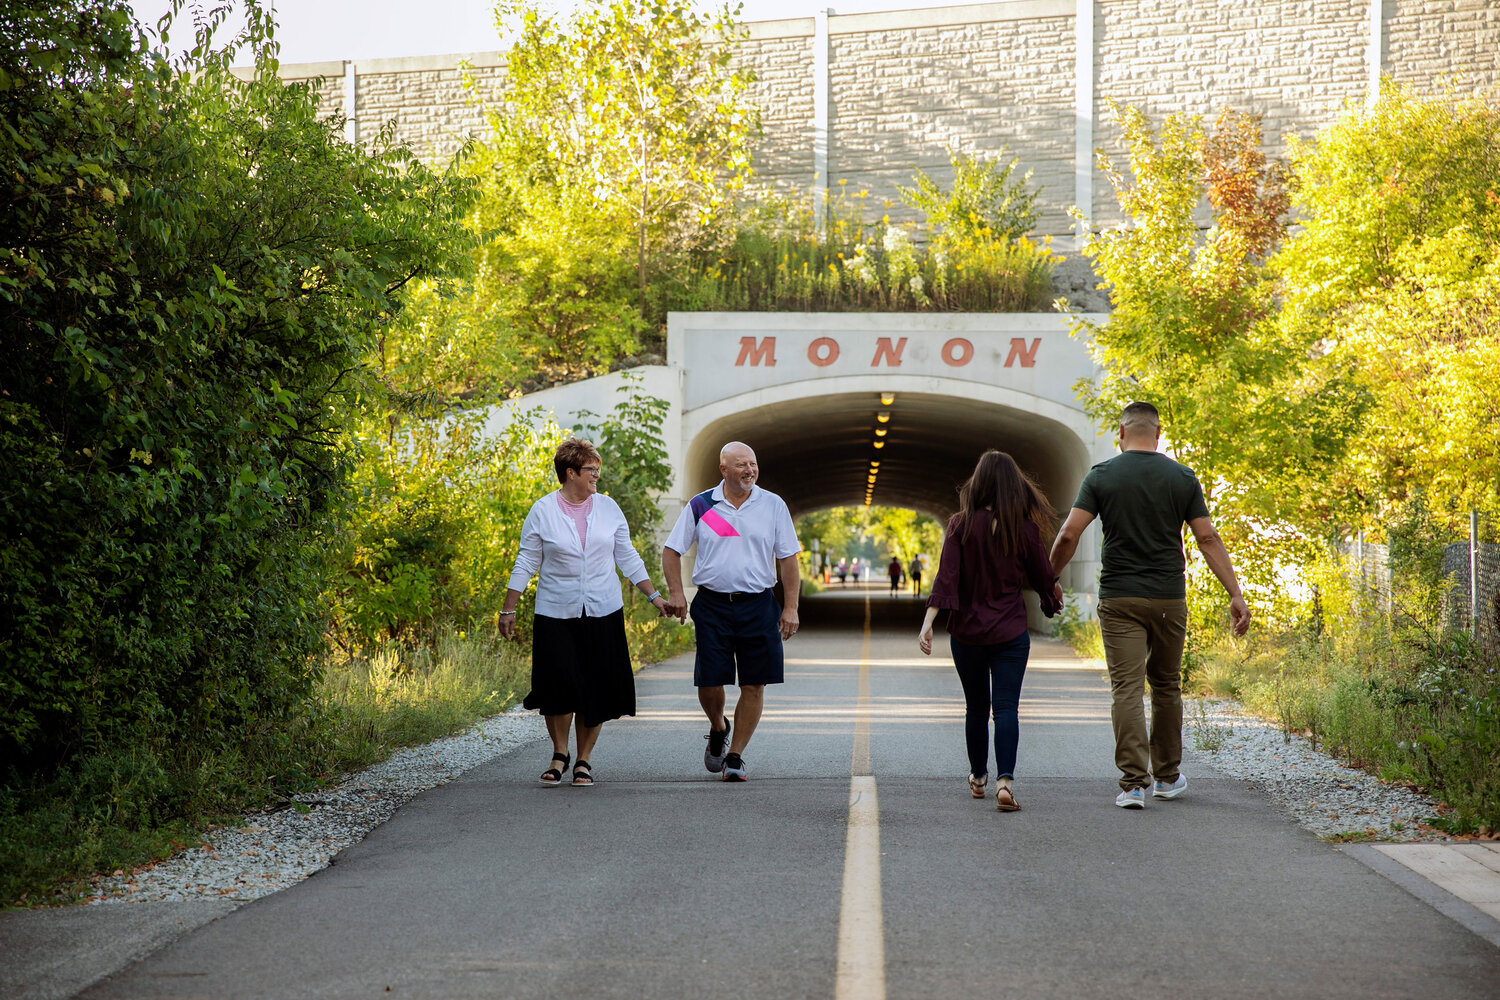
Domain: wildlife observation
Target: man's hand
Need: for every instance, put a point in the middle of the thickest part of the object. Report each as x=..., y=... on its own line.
x=1239, y=615
x=676, y=606
x=507, y=626
x=789, y=623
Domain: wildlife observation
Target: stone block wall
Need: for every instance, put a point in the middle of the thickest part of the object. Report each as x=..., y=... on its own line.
x=427, y=100
x=780, y=55
x=904, y=86
x=1430, y=41
x=904, y=94
x=1294, y=62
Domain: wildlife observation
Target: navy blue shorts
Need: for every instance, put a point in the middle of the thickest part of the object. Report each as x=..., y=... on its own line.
x=737, y=629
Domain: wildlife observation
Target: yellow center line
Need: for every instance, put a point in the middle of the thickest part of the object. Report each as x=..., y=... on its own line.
x=861, y=956
x=860, y=764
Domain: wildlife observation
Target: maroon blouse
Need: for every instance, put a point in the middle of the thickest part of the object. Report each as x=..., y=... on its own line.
x=982, y=590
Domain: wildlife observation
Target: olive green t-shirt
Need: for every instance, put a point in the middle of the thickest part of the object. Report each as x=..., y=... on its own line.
x=1142, y=499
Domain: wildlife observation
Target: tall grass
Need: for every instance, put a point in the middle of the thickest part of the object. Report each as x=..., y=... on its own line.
x=1423, y=714
x=777, y=260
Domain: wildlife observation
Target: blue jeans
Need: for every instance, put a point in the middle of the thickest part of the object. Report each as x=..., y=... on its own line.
x=991, y=676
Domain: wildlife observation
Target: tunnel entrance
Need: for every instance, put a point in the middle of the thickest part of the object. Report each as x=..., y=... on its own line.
x=808, y=392
x=817, y=450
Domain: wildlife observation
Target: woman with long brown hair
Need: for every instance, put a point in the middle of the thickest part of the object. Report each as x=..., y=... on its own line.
x=992, y=551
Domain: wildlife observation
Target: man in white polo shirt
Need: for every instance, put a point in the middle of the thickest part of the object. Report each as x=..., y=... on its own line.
x=744, y=534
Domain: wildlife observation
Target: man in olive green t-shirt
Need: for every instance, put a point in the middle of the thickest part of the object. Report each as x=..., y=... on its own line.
x=1142, y=498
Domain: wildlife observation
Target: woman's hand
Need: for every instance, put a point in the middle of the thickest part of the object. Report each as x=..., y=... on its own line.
x=924, y=640
x=660, y=604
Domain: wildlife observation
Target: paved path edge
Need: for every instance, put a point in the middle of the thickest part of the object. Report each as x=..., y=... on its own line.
x=1439, y=899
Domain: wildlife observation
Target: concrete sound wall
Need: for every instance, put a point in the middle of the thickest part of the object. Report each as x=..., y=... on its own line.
x=858, y=102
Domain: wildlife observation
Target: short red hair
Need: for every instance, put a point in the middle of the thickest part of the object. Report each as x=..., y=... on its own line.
x=573, y=454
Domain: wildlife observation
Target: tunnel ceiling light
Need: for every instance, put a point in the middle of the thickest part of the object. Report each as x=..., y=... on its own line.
x=887, y=398
x=874, y=464
x=881, y=432
x=878, y=443
x=883, y=417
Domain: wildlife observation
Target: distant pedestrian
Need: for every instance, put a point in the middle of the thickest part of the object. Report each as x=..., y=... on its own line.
x=914, y=571
x=993, y=550
x=1142, y=498
x=842, y=571
x=580, y=664
x=744, y=534
x=894, y=572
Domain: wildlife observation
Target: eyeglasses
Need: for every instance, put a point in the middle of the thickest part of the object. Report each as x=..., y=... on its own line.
x=592, y=470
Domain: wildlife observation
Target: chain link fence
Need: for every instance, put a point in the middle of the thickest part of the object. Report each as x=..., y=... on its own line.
x=1471, y=567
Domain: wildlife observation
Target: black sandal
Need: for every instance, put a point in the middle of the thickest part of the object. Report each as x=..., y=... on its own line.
x=584, y=779
x=553, y=775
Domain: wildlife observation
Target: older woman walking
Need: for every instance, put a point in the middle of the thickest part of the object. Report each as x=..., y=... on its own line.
x=572, y=541
x=993, y=549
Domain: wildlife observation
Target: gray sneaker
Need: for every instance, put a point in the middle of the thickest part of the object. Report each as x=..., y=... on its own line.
x=718, y=742
x=734, y=768
x=1134, y=798
x=1163, y=790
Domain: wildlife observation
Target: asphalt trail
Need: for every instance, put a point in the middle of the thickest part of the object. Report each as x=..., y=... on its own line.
x=662, y=882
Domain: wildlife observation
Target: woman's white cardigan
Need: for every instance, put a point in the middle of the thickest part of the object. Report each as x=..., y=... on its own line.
x=570, y=581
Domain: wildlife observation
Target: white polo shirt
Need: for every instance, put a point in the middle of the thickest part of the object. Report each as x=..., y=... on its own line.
x=737, y=547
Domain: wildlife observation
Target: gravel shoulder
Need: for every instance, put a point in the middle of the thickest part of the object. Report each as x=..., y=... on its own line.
x=1329, y=798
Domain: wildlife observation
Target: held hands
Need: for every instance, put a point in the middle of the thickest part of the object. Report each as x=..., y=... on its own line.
x=660, y=604
x=924, y=641
x=675, y=606
x=1239, y=615
x=789, y=623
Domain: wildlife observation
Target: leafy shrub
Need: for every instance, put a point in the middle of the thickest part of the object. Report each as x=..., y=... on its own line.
x=192, y=268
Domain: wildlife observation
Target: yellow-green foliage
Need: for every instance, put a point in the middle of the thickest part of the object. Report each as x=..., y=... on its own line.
x=776, y=259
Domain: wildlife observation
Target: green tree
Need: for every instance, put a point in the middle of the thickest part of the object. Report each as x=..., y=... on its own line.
x=193, y=267
x=903, y=533
x=986, y=199
x=1394, y=282
x=632, y=108
x=1184, y=333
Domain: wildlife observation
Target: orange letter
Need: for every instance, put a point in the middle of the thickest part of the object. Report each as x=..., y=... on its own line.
x=892, y=355
x=823, y=352
x=1018, y=349
x=957, y=352
x=763, y=353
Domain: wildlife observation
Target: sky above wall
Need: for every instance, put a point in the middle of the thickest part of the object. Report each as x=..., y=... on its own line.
x=318, y=30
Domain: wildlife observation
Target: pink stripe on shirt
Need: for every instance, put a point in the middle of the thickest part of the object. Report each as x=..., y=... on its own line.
x=579, y=512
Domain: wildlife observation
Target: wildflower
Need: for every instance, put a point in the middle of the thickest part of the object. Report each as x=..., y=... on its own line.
x=915, y=284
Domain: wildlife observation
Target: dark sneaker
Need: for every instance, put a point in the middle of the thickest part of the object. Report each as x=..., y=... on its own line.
x=713, y=754
x=734, y=768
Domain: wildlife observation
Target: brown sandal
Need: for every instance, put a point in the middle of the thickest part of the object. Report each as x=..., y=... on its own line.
x=1005, y=800
x=977, y=782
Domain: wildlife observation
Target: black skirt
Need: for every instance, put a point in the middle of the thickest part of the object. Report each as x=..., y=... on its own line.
x=581, y=666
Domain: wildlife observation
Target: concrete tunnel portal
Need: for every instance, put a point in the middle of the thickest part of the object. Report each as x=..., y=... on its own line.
x=816, y=451
x=807, y=391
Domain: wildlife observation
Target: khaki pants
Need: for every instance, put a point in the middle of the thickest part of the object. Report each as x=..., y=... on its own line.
x=1143, y=640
